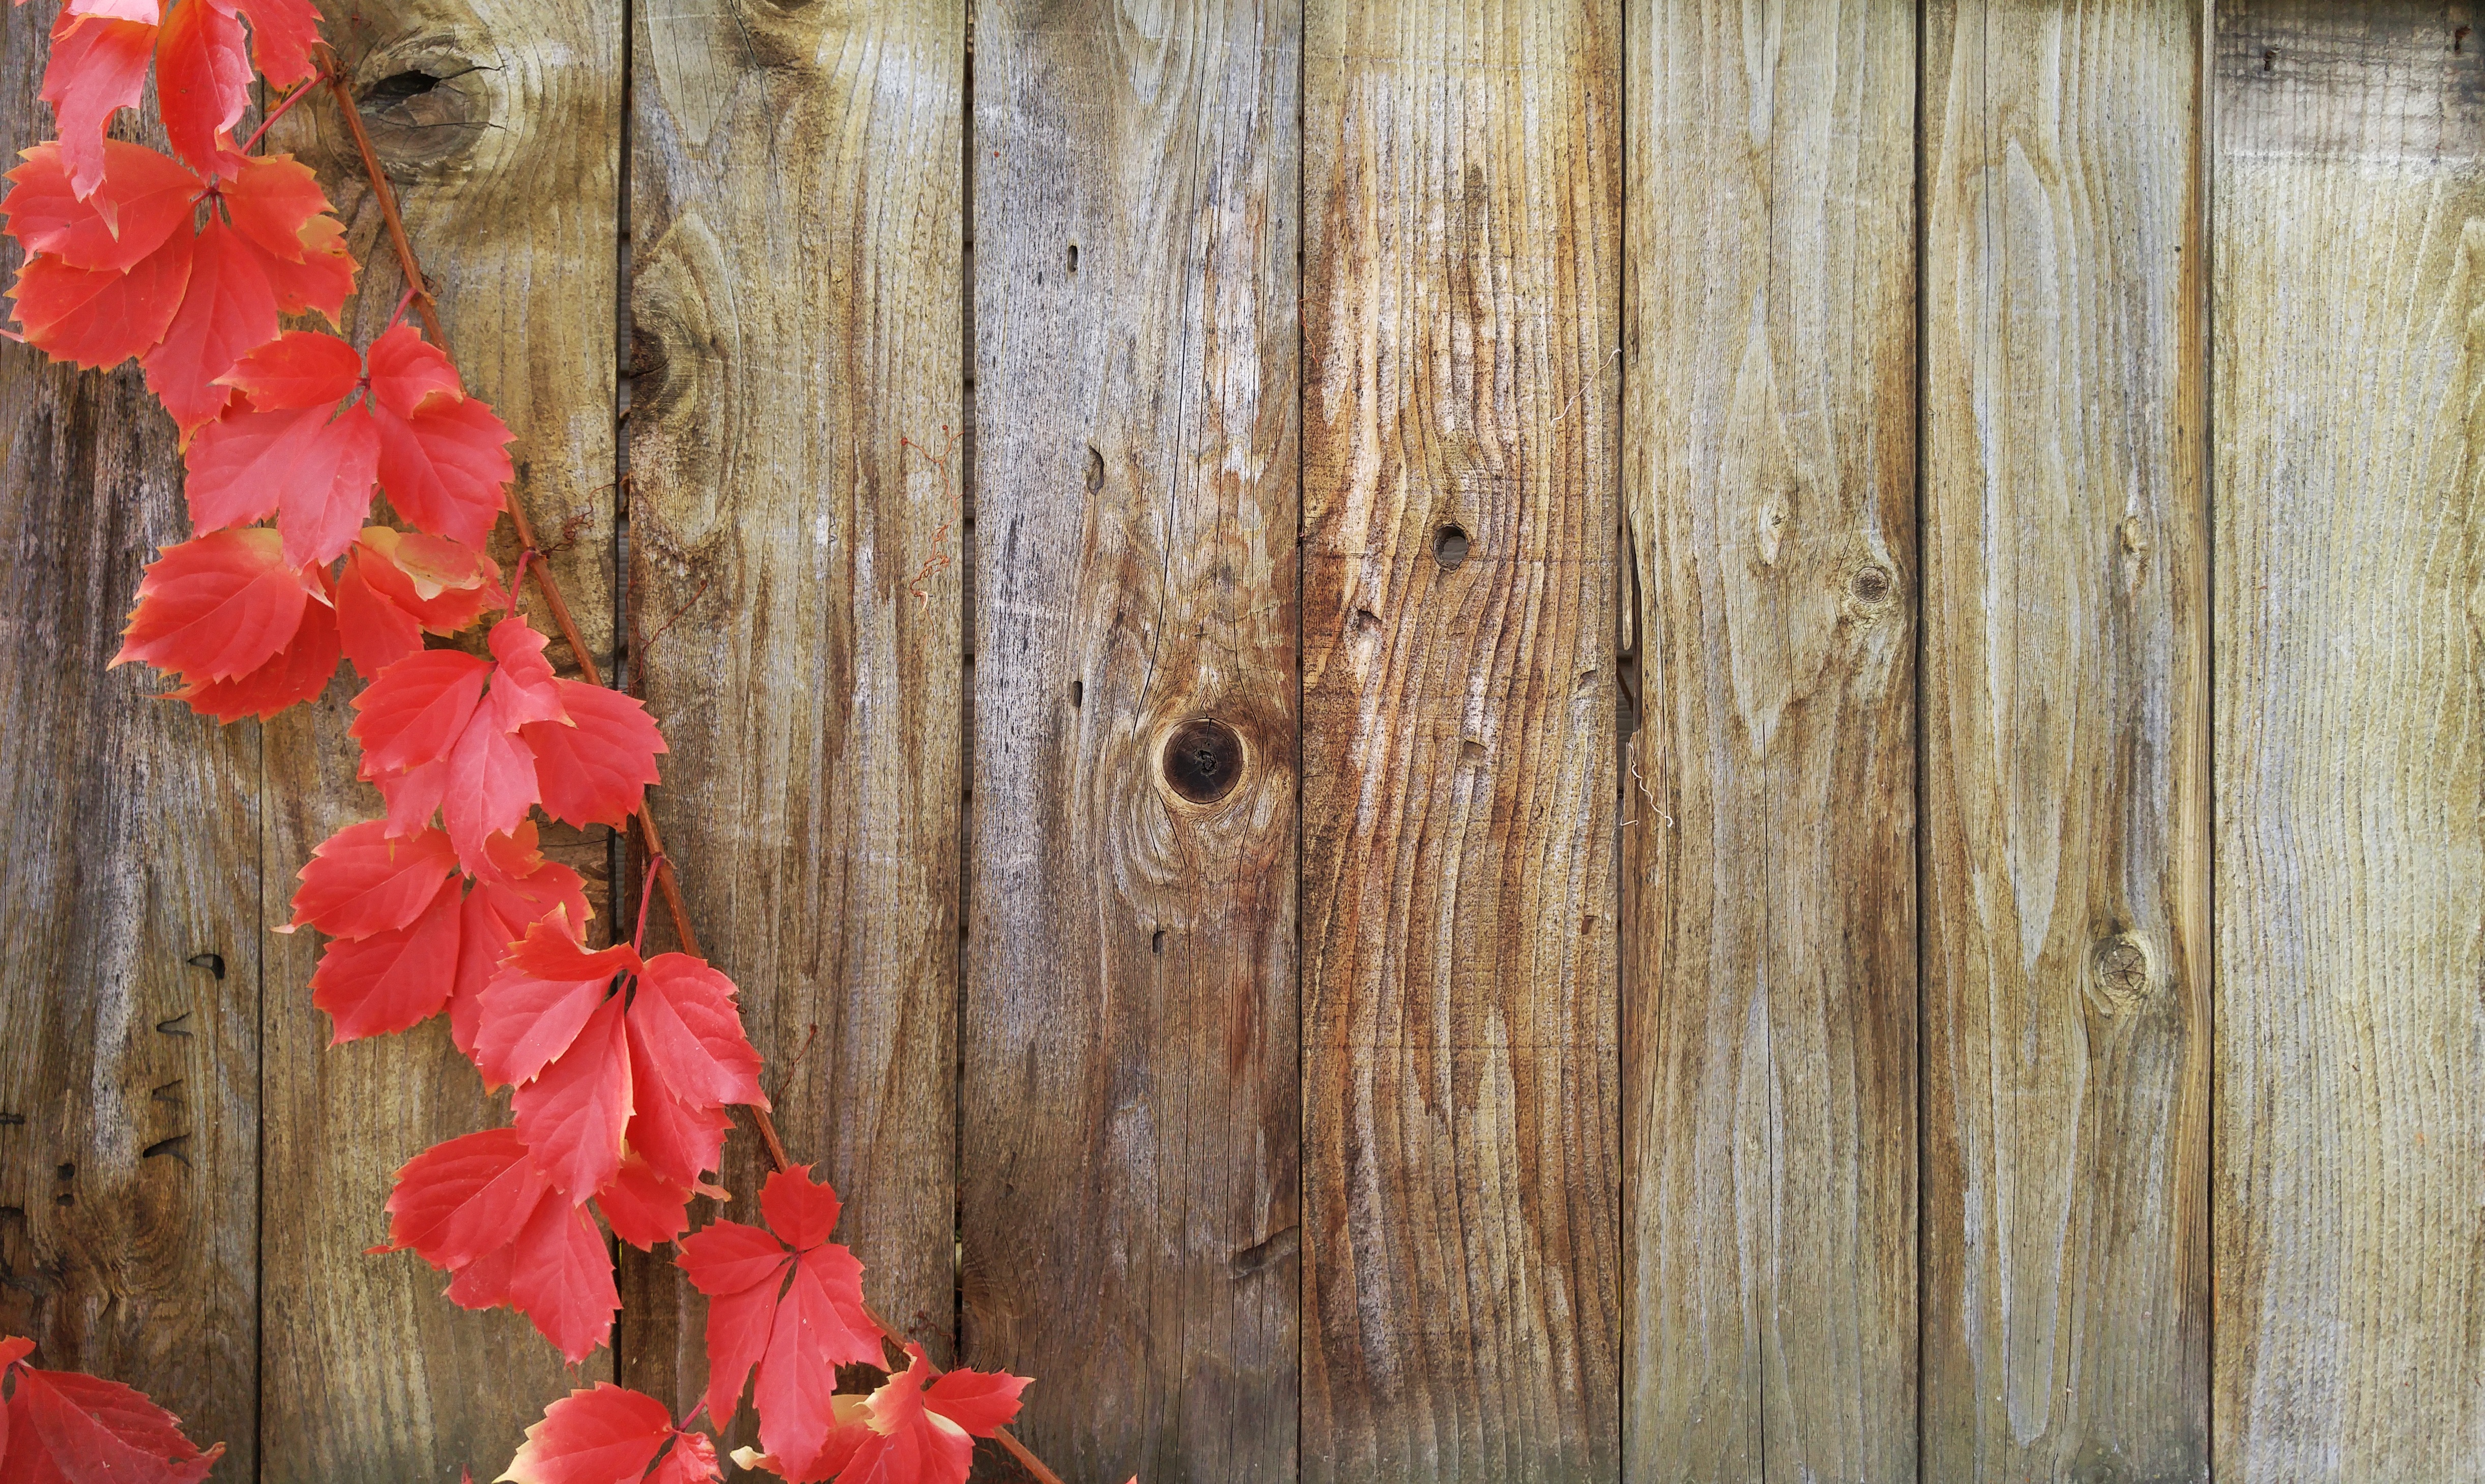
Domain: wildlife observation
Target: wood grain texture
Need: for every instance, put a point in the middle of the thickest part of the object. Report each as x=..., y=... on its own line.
x=1770, y=896
x=2066, y=705
x=1461, y=292
x=2349, y=1212
x=499, y=126
x=1128, y=1212
x=796, y=198
x=130, y=905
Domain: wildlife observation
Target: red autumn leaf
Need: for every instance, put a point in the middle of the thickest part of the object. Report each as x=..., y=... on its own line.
x=908, y=1432
x=787, y=1302
x=406, y=944
x=98, y=68
x=481, y=1210
x=434, y=739
x=310, y=466
x=299, y=672
x=282, y=33
x=60, y=1428
x=202, y=81
x=599, y=1075
x=100, y=317
x=609, y=1435
x=216, y=607
x=597, y=769
x=400, y=586
x=145, y=198
x=443, y=456
x=190, y=305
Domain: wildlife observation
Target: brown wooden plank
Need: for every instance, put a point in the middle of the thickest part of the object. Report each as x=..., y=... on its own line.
x=501, y=129
x=1462, y=292
x=1129, y=1210
x=796, y=197
x=2349, y=1213
x=2065, y=695
x=129, y=902
x=1769, y=878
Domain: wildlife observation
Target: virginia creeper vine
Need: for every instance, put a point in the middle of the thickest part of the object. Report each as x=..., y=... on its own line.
x=623, y=1066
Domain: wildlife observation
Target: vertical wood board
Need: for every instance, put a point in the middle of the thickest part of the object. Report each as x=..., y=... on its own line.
x=1769, y=947
x=2065, y=695
x=2349, y=1198
x=1127, y=1215
x=1462, y=285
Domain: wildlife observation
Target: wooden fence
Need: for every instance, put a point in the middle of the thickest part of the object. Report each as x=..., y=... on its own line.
x=1653, y=741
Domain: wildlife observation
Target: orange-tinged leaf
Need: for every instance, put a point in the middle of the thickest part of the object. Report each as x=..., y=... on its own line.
x=145, y=198
x=409, y=372
x=298, y=368
x=271, y=199
x=216, y=606
x=399, y=585
x=282, y=33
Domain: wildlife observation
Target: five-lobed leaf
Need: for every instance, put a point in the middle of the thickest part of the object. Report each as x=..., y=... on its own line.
x=481, y=1210
x=908, y=1431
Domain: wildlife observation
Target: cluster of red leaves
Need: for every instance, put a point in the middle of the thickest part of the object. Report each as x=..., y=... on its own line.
x=623, y=1066
x=59, y=1427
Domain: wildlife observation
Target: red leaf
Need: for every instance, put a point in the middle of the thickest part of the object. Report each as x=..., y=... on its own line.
x=408, y=371
x=273, y=200
x=99, y=318
x=298, y=368
x=572, y=1115
x=534, y=1008
x=796, y=1313
x=908, y=1433
x=282, y=33
x=399, y=585
x=676, y=1137
x=597, y=769
x=443, y=467
x=481, y=1210
x=216, y=608
x=642, y=1206
x=63, y=1428
x=489, y=787
x=311, y=467
x=98, y=68
x=299, y=672
x=145, y=198
x=415, y=711
x=391, y=981
x=609, y=1435
x=686, y=1013
x=228, y=310
x=203, y=78
x=524, y=688
x=359, y=881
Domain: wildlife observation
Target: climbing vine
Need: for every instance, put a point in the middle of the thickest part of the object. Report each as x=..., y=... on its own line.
x=341, y=498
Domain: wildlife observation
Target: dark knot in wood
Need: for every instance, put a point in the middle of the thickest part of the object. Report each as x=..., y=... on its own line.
x=1203, y=760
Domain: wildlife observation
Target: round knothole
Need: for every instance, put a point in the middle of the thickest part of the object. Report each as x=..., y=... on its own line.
x=1872, y=583
x=1203, y=760
x=2122, y=968
x=1450, y=547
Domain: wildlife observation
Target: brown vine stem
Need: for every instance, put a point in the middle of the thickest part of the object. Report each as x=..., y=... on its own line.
x=419, y=288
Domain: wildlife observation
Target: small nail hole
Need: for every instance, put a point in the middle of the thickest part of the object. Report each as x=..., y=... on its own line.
x=1077, y=694
x=1450, y=547
x=68, y=1172
x=1074, y=258
x=1156, y=944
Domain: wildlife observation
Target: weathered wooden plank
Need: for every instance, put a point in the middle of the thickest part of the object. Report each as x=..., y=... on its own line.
x=1461, y=292
x=1770, y=885
x=1129, y=1211
x=2349, y=1205
x=130, y=905
x=500, y=128
x=796, y=198
x=2065, y=734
